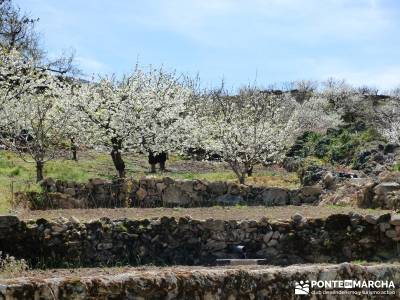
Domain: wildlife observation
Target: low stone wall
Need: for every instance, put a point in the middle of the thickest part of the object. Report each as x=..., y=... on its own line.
x=200, y=283
x=368, y=192
x=166, y=192
x=338, y=238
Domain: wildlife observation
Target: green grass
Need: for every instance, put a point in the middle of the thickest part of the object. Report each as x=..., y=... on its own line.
x=18, y=175
x=359, y=262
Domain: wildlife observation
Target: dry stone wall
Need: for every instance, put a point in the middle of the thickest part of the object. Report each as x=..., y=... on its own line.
x=255, y=283
x=368, y=192
x=68, y=242
x=153, y=192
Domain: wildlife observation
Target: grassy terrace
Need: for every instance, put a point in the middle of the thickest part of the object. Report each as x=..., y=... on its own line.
x=18, y=175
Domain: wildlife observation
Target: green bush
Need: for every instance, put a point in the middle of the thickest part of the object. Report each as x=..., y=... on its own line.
x=337, y=146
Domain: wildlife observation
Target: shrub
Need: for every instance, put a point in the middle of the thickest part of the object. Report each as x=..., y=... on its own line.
x=10, y=266
x=338, y=146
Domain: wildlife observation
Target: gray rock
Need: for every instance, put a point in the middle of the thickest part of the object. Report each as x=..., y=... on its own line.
x=104, y=246
x=395, y=219
x=386, y=187
x=391, y=233
x=74, y=220
x=329, y=180
x=8, y=221
x=185, y=185
x=174, y=195
x=215, y=245
x=275, y=196
x=311, y=190
x=217, y=187
x=267, y=237
x=276, y=235
x=384, y=226
x=272, y=243
x=371, y=219
x=297, y=218
x=70, y=191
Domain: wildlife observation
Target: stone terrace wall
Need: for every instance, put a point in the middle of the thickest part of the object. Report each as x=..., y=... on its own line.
x=185, y=241
x=200, y=283
x=152, y=192
x=368, y=192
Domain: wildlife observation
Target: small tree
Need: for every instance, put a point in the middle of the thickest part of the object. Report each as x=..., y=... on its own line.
x=105, y=110
x=246, y=129
x=33, y=122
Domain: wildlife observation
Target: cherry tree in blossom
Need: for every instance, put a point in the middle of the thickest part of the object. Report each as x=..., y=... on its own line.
x=33, y=115
x=245, y=129
x=142, y=112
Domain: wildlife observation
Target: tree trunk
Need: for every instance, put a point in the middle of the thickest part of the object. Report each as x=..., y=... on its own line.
x=241, y=176
x=250, y=171
x=74, y=150
x=152, y=168
x=39, y=171
x=116, y=156
x=163, y=158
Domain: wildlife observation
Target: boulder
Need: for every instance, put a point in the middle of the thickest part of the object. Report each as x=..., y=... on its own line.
x=312, y=190
x=381, y=192
x=217, y=187
x=297, y=218
x=8, y=221
x=385, y=187
x=389, y=177
x=275, y=196
x=371, y=219
x=337, y=222
x=174, y=195
x=328, y=180
x=185, y=185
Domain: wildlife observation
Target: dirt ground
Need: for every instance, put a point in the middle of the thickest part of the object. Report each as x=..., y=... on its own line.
x=201, y=213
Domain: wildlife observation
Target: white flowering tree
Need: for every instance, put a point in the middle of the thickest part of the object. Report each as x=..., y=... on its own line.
x=143, y=112
x=246, y=129
x=15, y=76
x=314, y=114
x=105, y=109
x=33, y=115
x=165, y=122
x=387, y=118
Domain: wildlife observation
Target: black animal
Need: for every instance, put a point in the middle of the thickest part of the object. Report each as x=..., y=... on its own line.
x=159, y=158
